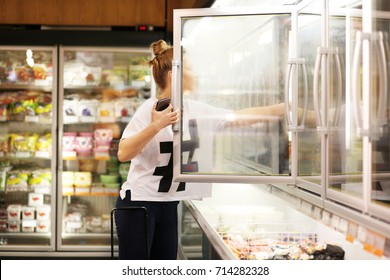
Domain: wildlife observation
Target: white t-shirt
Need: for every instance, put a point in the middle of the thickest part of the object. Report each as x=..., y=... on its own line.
x=145, y=178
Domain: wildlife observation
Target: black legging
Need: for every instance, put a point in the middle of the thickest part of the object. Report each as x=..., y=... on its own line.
x=162, y=227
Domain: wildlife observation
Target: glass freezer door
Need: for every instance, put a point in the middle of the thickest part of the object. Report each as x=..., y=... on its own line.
x=229, y=73
x=28, y=122
x=378, y=103
x=100, y=89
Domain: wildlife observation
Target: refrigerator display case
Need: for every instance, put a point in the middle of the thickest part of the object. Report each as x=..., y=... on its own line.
x=249, y=222
x=325, y=63
x=100, y=89
x=28, y=141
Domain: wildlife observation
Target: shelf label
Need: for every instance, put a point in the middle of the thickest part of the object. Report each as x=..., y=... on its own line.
x=107, y=119
x=69, y=155
x=374, y=243
x=386, y=251
x=361, y=235
x=71, y=119
x=317, y=212
x=3, y=118
x=2, y=154
x=88, y=119
x=22, y=154
x=335, y=221
x=326, y=217
x=31, y=119
x=42, y=154
x=102, y=155
x=343, y=225
x=306, y=207
x=379, y=245
x=125, y=119
x=41, y=83
x=369, y=242
x=352, y=232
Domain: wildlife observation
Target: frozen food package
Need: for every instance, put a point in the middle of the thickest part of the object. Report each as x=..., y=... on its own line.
x=43, y=226
x=28, y=212
x=82, y=179
x=14, y=212
x=87, y=109
x=43, y=212
x=35, y=199
x=17, y=180
x=13, y=226
x=124, y=107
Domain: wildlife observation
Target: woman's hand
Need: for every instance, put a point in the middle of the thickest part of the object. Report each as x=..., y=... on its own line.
x=132, y=146
x=166, y=117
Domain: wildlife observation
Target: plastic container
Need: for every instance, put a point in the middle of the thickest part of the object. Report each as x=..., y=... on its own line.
x=109, y=179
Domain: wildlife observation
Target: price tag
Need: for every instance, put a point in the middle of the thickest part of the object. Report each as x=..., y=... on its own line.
x=386, y=252
x=379, y=245
x=306, y=207
x=69, y=155
x=71, y=119
x=31, y=118
x=42, y=154
x=88, y=119
x=352, y=231
x=107, y=119
x=102, y=155
x=362, y=232
x=335, y=222
x=325, y=217
x=22, y=154
x=343, y=225
x=369, y=242
x=317, y=212
x=3, y=118
x=41, y=83
x=125, y=119
x=1, y=154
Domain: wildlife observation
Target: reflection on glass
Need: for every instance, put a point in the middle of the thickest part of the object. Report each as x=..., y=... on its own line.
x=238, y=63
x=379, y=99
x=309, y=145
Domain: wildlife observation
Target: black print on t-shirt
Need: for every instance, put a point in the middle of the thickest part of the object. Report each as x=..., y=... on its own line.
x=167, y=171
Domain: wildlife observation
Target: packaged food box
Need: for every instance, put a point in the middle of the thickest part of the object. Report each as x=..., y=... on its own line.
x=35, y=199
x=3, y=225
x=40, y=178
x=28, y=212
x=13, y=226
x=88, y=110
x=29, y=225
x=106, y=111
x=43, y=226
x=14, y=212
x=43, y=212
x=82, y=179
x=67, y=179
x=70, y=111
x=124, y=108
x=17, y=180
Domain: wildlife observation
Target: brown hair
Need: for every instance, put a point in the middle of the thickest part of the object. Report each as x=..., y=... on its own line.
x=161, y=63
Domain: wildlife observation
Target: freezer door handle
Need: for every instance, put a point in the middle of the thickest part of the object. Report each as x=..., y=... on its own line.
x=292, y=69
x=175, y=94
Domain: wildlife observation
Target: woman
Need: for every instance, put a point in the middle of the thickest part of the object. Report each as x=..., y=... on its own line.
x=147, y=142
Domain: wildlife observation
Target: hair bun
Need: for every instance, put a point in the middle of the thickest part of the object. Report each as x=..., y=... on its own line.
x=160, y=47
